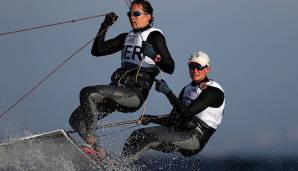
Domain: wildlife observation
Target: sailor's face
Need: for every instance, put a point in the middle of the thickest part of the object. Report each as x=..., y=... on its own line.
x=138, y=18
x=198, y=75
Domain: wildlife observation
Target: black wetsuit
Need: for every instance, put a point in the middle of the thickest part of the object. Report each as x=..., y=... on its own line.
x=181, y=131
x=129, y=86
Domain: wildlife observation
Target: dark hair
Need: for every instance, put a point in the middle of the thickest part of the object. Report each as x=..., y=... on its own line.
x=145, y=4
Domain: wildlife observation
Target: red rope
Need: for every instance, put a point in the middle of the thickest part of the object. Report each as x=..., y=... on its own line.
x=48, y=75
x=50, y=25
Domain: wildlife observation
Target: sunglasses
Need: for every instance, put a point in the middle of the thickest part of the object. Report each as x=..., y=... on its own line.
x=135, y=13
x=197, y=66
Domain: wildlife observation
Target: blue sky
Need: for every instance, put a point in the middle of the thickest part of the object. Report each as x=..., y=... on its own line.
x=253, y=49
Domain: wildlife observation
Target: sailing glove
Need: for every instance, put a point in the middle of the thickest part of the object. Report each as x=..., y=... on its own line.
x=109, y=19
x=148, y=50
x=162, y=86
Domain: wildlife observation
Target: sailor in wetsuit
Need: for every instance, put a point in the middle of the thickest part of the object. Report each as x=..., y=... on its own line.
x=196, y=115
x=144, y=54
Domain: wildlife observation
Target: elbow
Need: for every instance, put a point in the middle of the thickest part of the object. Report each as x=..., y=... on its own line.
x=171, y=68
x=167, y=67
x=93, y=52
x=171, y=71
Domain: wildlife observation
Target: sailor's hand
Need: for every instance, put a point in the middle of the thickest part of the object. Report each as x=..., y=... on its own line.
x=146, y=119
x=110, y=19
x=162, y=86
x=148, y=50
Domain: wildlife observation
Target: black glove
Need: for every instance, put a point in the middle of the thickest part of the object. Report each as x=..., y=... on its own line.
x=146, y=119
x=162, y=86
x=148, y=50
x=109, y=19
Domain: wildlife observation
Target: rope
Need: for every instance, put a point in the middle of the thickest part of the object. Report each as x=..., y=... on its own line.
x=128, y=3
x=136, y=121
x=125, y=74
x=50, y=25
x=111, y=133
x=48, y=75
x=118, y=124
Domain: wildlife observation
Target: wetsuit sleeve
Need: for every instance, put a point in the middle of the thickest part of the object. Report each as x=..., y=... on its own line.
x=210, y=97
x=169, y=120
x=158, y=42
x=101, y=47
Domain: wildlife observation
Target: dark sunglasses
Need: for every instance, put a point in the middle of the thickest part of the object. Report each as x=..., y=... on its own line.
x=135, y=13
x=197, y=66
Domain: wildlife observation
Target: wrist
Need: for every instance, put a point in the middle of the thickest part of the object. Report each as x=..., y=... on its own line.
x=167, y=93
x=104, y=25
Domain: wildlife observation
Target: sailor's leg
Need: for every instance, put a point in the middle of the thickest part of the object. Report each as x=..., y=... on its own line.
x=90, y=98
x=173, y=141
x=99, y=101
x=137, y=143
x=77, y=123
x=159, y=138
x=126, y=99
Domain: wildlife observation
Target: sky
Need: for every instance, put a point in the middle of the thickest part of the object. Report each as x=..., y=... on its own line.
x=253, y=50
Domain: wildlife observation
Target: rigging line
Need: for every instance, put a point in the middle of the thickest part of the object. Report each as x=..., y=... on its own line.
x=48, y=75
x=127, y=3
x=50, y=25
x=111, y=133
x=103, y=135
x=136, y=121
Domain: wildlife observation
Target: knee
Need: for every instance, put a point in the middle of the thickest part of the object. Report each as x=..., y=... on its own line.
x=189, y=153
x=143, y=137
x=71, y=120
x=85, y=92
x=75, y=117
x=138, y=134
x=137, y=137
x=125, y=109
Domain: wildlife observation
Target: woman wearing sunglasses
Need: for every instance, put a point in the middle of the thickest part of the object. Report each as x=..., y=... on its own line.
x=144, y=54
x=195, y=116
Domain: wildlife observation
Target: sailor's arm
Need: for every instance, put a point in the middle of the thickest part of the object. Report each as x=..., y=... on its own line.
x=168, y=120
x=165, y=61
x=100, y=46
x=210, y=97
